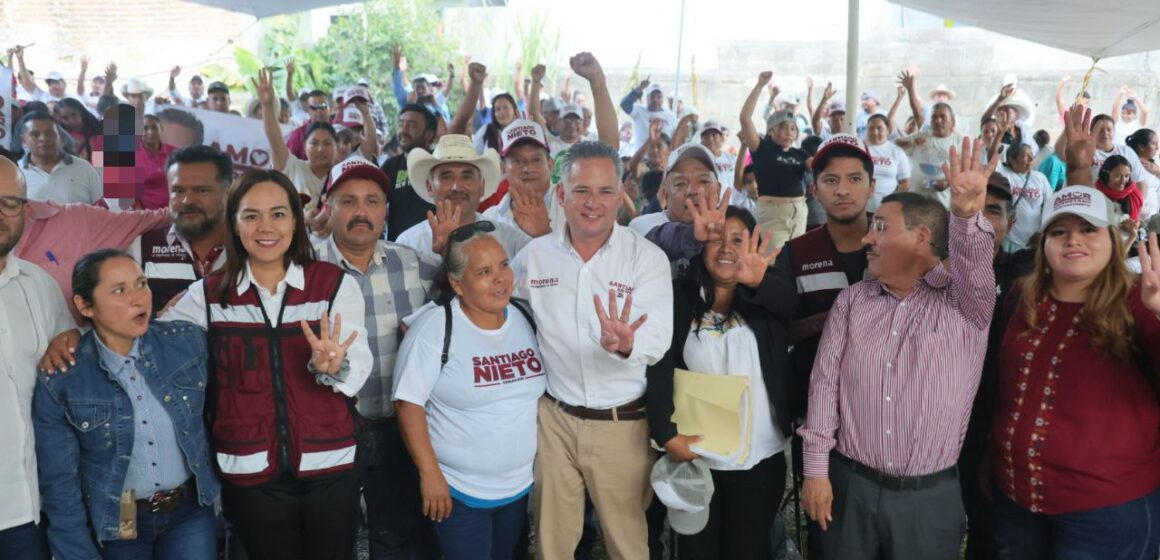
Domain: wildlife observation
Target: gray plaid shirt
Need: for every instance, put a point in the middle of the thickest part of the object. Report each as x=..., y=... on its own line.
x=398, y=281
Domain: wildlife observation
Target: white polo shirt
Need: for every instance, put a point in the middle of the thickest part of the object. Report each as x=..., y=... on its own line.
x=645, y=223
x=559, y=285
x=34, y=312
x=502, y=212
x=71, y=180
x=419, y=237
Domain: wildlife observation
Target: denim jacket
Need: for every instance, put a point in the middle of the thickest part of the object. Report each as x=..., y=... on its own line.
x=84, y=433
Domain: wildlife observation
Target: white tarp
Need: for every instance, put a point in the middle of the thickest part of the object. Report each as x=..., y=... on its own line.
x=1096, y=29
x=265, y=8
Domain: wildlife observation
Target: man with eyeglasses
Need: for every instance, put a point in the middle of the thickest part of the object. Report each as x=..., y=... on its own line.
x=395, y=281
x=34, y=310
x=693, y=184
x=318, y=107
x=896, y=372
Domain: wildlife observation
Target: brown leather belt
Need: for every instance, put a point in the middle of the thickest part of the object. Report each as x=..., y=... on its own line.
x=165, y=501
x=628, y=411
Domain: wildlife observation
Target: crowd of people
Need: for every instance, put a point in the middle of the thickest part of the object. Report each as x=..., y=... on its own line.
x=943, y=336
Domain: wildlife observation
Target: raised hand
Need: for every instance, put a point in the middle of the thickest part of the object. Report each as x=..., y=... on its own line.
x=1080, y=147
x=764, y=78
x=443, y=221
x=655, y=127
x=774, y=91
x=755, y=258
x=901, y=90
x=1006, y=91
x=476, y=72
x=111, y=73
x=290, y=67
x=84, y=62
x=1150, y=273
x=318, y=220
x=264, y=85
x=397, y=56
x=643, y=84
x=538, y=73
x=708, y=218
x=906, y=80
x=529, y=212
x=175, y=72
x=616, y=333
x=809, y=84
x=968, y=178
x=586, y=66
x=326, y=352
x=828, y=92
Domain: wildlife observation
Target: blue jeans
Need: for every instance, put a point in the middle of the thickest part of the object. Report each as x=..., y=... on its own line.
x=468, y=530
x=186, y=533
x=1128, y=531
x=23, y=542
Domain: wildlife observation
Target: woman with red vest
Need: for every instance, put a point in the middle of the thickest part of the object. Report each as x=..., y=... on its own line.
x=282, y=417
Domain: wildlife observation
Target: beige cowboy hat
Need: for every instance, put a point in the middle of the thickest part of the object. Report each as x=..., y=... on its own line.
x=452, y=148
x=135, y=86
x=942, y=88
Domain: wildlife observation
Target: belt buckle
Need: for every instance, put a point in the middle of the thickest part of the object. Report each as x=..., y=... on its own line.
x=163, y=502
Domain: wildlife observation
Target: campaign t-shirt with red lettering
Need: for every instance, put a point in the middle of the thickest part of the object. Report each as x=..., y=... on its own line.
x=481, y=406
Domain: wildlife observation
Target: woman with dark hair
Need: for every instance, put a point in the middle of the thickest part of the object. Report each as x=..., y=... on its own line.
x=309, y=176
x=503, y=111
x=282, y=419
x=468, y=379
x=1114, y=180
x=80, y=124
x=1104, y=130
x=724, y=324
x=1029, y=193
x=1147, y=146
x=1076, y=441
x=891, y=164
x=121, y=440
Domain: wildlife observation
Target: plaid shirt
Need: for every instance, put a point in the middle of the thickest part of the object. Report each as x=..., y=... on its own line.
x=398, y=281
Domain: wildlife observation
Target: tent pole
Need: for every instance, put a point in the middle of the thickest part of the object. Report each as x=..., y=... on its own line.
x=680, y=43
x=852, y=96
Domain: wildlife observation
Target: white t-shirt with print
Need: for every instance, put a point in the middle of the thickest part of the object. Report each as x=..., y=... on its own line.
x=1119, y=150
x=303, y=178
x=481, y=406
x=1029, y=195
x=891, y=165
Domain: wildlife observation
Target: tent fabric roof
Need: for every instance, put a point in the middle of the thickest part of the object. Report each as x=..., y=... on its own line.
x=266, y=8
x=1095, y=29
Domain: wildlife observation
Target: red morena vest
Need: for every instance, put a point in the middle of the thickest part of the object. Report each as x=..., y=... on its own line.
x=269, y=415
x=169, y=267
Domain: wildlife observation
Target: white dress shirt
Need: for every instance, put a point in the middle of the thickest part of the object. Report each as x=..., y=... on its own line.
x=348, y=302
x=559, y=285
x=33, y=312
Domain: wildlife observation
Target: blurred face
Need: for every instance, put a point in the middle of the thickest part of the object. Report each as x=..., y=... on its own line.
x=836, y=122
x=656, y=100
x=1076, y=250
x=487, y=280
x=56, y=88
x=1104, y=132
x=42, y=139
x=1119, y=177
x=995, y=210
x=358, y=212
x=151, y=132
x=318, y=108
x=504, y=112
x=713, y=140
x=552, y=120
x=749, y=181
x=784, y=133
x=941, y=97
x=460, y=183
x=413, y=131
x=690, y=183
x=1006, y=115
x=990, y=130
x=721, y=256
x=894, y=249
x=869, y=105
x=1128, y=115
x=96, y=86
x=1022, y=161
x=571, y=128
x=321, y=149
x=626, y=133
x=70, y=119
x=528, y=165
x=177, y=135
x=137, y=100
x=265, y=224
x=122, y=303
x=422, y=89
x=1149, y=149
x=197, y=200
x=658, y=154
x=843, y=189
x=590, y=196
x=941, y=122
x=196, y=88
x=284, y=115
x=876, y=132
x=218, y=101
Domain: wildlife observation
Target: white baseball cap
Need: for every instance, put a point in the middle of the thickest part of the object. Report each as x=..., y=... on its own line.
x=695, y=151
x=1084, y=202
x=686, y=489
x=571, y=109
x=53, y=76
x=522, y=130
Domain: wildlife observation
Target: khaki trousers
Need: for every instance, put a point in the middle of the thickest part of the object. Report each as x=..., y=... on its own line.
x=612, y=460
x=785, y=218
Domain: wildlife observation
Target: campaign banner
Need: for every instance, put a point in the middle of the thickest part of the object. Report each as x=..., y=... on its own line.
x=7, y=98
x=242, y=139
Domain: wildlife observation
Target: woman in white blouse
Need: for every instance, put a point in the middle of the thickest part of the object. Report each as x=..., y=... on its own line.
x=1030, y=190
x=891, y=164
x=1146, y=145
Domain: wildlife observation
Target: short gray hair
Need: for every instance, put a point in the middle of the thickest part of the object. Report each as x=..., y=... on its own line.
x=455, y=255
x=589, y=150
x=943, y=105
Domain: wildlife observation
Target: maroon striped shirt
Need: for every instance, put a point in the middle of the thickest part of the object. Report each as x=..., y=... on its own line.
x=894, y=379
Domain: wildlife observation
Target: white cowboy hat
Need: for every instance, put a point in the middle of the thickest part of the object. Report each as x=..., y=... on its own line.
x=135, y=86
x=1022, y=108
x=452, y=148
x=942, y=88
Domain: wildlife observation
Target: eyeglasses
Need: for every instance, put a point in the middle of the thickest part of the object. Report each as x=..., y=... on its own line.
x=318, y=107
x=879, y=226
x=464, y=233
x=11, y=206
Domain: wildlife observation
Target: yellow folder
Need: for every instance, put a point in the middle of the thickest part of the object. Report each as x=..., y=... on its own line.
x=717, y=408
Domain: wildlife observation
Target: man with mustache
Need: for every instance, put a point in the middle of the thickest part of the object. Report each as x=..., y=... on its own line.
x=194, y=245
x=395, y=281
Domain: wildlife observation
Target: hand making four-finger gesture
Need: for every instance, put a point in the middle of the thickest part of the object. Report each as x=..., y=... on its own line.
x=326, y=351
x=967, y=178
x=443, y=221
x=616, y=333
x=708, y=218
x=755, y=258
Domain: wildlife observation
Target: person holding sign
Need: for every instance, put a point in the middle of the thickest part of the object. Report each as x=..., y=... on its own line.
x=723, y=325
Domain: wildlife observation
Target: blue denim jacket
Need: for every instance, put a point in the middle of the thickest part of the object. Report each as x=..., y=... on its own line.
x=84, y=433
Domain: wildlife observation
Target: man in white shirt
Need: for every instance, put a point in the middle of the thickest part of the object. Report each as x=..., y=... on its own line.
x=929, y=149
x=527, y=168
x=34, y=311
x=454, y=177
x=51, y=173
x=653, y=109
x=54, y=80
x=593, y=436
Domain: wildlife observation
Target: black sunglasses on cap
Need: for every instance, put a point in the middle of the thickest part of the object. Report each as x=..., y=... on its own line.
x=464, y=233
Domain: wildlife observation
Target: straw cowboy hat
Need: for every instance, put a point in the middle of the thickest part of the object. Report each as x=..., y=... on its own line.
x=942, y=88
x=455, y=148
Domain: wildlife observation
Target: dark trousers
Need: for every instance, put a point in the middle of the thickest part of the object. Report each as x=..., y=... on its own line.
x=23, y=542
x=982, y=542
x=741, y=513
x=472, y=533
x=290, y=518
x=870, y=518
x=813, y=544
x=396, y=527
